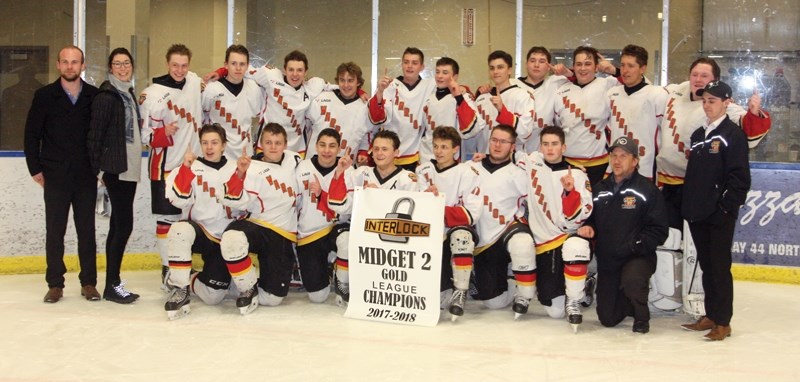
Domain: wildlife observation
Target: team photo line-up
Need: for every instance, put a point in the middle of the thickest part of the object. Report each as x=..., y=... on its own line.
x=542, y=176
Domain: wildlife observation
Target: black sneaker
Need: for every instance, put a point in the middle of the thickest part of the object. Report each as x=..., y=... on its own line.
x=641, y=326
x=116, y=292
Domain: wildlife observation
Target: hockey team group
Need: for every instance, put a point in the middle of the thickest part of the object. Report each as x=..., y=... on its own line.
x=542, y=176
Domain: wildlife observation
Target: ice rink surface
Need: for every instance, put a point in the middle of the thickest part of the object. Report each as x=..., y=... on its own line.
x=78, y=340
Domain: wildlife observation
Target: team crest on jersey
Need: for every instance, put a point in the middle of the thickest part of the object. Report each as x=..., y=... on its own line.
x=588, y=185
x=629, y=203
x=142, y=97
x=714, y=149
x=412, y=176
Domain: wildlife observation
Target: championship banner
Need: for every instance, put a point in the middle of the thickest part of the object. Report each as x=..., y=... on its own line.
x=395, y=256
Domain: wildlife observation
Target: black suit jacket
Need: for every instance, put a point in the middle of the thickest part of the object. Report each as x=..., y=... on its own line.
x=56, y=132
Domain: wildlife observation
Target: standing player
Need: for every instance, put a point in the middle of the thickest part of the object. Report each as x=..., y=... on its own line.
x=459, y=183
x=288, y=95
x=344, y=111
x=320, y=230
x=542, y=88
x=235, y=103
x=684, y=113
x=194, y=187
x=267, y=190
x=637, y=109
x=502, y=238
x=450, y=105
x=505, y=104
x=170, y=109
x=559, y=201
x=397, y=105
x=583, y=112
x=386, y=175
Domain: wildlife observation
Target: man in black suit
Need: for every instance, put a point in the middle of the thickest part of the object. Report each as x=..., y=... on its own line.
x=58, y=160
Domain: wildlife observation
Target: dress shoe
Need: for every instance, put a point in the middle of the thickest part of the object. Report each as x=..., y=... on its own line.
x=703, y=324
x=718, y=333
x=90, y=292
x=641, y=326
x=54, y=294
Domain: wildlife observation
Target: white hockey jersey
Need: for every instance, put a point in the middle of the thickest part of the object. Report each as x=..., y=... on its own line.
x=517, y=112
x=442, y=109
x=502, y=190
x=583, y=113
x=638, y=116
x=350, y=118
x=544, y=113
x=459, y=184
x=552, y=216
x=161, y=104
x=401, y=112
x=197, y=191
x=340, y=193
x=315, y=218
x=236, y=113
x=269, y=194
x=682, y=117
x=285, y=104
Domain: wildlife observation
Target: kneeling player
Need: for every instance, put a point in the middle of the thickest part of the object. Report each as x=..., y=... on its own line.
x=385, y=175
x=266, y=189
x=459, y=183
x=193, y=187
x=320, y=230
x=559, y=201
x=503, y=239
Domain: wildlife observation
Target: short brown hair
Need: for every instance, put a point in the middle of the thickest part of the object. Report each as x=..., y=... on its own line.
x=589, y=51
x=390, y=135
x=213, y=128
x=542, y=50
x=236, y=48
x=637, y=52
x=708, y=61
x=274, y=129
x=352, y=69
x=553, y=130
x=295, y=55
x=507, y=129
x=180, y=50
x=447, y=133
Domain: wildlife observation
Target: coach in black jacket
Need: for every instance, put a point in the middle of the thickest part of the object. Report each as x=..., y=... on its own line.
x=629, y=221
x=716, y=184
x=57, y=159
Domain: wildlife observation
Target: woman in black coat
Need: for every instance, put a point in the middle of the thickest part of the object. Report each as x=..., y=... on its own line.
x=115, y=149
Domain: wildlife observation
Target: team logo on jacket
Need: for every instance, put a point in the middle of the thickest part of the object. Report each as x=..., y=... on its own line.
x=629, y=203
x=714, y=149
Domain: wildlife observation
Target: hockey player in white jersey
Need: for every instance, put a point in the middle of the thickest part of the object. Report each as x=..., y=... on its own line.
x=397, y=106
x=542, y=86
x=344, y=111
x=450, y=105
x=503, y=238
x=385, y=175
x=637, y=109
x=171, y=117
x=194, y=188
x=505, y=104
x=683, y=114
x=288, y=95
x=320, y=230
x=459, y=184
x=582, y=111
x=235, y=103
x=559, y=201
x=267, y=190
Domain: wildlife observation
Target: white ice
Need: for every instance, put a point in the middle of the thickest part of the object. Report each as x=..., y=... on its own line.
x=78, y=340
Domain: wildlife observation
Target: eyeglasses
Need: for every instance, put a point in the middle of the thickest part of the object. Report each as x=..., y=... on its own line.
x=125, y=64
x=500, y=141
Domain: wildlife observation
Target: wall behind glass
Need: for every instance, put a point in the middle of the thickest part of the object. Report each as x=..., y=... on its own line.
x=29, y=45
x=435, y=27
x=328, y=32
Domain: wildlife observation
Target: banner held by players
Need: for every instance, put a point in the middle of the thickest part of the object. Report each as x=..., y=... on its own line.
x=395, y=256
